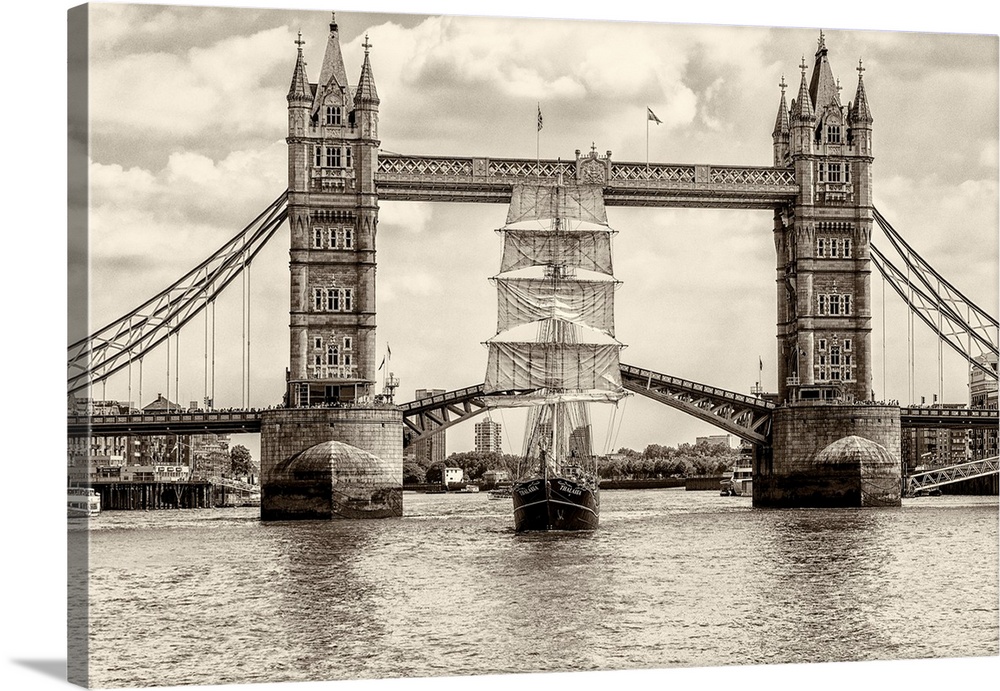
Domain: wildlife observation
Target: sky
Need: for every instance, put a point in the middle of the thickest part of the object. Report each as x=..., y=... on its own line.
x=187, y=127
x=934, y=100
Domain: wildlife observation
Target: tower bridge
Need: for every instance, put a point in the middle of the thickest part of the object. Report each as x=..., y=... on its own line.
x=821, y=441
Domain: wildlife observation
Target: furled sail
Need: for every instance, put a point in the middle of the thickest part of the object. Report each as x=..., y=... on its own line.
x=577, y=371
x=541, y=202
x=589, y=250
x=586, y=303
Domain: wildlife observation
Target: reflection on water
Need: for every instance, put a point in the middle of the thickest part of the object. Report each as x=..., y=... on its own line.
x=671, y=578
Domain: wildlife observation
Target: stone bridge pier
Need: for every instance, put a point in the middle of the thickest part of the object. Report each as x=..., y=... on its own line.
x=321, y=463
x=830, y=456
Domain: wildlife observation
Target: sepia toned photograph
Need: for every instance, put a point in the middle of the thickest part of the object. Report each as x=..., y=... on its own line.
x=427, y=348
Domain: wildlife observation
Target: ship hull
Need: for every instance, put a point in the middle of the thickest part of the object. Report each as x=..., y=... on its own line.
x=558, y=504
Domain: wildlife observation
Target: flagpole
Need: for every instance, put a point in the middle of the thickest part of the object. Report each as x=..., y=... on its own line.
x=538, y=134
x=647, y=141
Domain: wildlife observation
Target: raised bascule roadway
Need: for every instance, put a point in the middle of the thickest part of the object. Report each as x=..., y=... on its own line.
x=819, y=439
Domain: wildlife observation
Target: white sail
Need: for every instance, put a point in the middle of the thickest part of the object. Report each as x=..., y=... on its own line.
x=576, y=371
x=525, y=300
x=589, y=250
x=539, y=202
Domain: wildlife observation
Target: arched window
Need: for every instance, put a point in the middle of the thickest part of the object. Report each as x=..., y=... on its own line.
x=332, y=356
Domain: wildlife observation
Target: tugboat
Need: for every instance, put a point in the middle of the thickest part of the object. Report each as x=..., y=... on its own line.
x=552, y=232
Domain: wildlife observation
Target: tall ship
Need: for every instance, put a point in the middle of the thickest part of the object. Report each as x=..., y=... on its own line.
x=554, y=351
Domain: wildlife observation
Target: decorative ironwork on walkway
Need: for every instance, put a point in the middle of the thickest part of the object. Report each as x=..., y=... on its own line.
x=951, y=474
x=490, y=180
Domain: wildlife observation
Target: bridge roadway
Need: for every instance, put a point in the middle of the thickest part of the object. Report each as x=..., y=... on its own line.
x=490, y=180
x=747, y=417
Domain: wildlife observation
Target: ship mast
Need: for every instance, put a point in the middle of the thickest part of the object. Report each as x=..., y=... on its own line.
x=573, y=360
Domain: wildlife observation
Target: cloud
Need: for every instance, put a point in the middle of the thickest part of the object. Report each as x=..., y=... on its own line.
x=193, y=92
x=409, y=217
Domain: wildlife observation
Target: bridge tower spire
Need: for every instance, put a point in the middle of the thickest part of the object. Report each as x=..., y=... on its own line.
x=822, y=245
x=332, y=211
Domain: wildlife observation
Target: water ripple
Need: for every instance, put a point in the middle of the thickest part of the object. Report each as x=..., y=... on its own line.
x=672, y=578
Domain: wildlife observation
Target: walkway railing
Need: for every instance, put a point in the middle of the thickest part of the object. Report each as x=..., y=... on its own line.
x=490, y=180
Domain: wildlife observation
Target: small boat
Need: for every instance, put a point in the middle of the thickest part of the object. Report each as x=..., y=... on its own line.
x=470, y=489
x=740, y=484
x=501, y=492
x=83, y=501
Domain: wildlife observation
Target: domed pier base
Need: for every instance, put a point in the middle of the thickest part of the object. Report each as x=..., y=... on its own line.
x=323, y=463
x=830, y=455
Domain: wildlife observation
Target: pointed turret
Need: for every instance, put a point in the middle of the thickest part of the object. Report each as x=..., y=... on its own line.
x=823, y=89
x=802, y=109
x=300, y=97
x=332, y=85
x=366, y=84
x=860, y=112
x=299, y=90
x=366, y=100
x=781, y=123
x=781, y=135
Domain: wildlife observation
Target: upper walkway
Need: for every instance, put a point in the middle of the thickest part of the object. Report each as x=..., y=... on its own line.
x=490, y=180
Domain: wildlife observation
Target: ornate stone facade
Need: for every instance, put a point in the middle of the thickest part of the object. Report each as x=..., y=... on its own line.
x=333, y=215
x=822, y=241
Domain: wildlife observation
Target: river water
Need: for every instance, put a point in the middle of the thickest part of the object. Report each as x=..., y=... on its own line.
x=671, y=578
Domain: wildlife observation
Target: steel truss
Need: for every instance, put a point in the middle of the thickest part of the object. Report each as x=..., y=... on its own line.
x=127, y=339
x=747, y=417
x=951, y=474
x=427, y=416
x=959, y=322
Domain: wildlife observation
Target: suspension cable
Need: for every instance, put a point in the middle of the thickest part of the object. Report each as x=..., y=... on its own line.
x=243, y=337
x=249, y=328
x=909, y=336
x=168, y=368
x=204, y=400
x=108, y=350
x=885, y=395
x=177, y=369
x=213, y=354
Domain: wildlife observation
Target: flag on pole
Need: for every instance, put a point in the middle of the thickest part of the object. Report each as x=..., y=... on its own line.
x=539, y=117
x=388, y=354
x=383, y=363
x=761, y=363
x=650, y=115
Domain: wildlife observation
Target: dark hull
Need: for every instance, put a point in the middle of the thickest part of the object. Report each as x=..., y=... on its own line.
x=559, y=504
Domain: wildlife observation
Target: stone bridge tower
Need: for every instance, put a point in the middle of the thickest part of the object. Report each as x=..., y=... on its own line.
x=332, y=213
x=320, y=460
x=822, y=243
x=830, y=445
